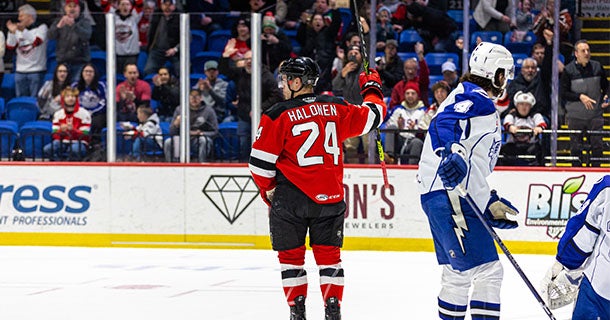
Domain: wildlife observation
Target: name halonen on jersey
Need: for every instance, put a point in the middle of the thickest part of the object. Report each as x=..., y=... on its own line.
x=312, y=110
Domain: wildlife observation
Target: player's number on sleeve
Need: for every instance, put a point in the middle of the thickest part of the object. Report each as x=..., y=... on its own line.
x=331, y=145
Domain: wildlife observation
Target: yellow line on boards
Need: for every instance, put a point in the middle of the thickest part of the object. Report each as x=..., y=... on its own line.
x=234, y=242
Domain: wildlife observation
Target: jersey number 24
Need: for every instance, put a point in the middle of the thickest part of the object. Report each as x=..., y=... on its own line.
x=330, y=143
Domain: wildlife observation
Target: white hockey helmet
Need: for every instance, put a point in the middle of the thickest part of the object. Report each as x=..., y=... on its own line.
x=487, y=58
x=526, y=97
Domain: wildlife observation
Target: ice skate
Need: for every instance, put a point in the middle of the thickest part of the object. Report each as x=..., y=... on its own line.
x=297, y=312
x=333, y=310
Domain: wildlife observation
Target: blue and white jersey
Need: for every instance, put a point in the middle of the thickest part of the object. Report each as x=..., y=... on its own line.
x=468, y=116
x=587, y=239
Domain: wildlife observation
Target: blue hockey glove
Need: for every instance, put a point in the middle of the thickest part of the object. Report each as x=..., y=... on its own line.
x=453, y=168
x=498, y=210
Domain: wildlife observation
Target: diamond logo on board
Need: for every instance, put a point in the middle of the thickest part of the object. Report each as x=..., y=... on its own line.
x=231, y=195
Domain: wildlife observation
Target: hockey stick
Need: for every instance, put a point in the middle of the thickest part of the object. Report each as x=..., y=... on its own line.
x=365, y=65
x=464, y=194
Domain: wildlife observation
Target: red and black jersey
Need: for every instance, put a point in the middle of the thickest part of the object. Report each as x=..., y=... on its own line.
x=303, y=139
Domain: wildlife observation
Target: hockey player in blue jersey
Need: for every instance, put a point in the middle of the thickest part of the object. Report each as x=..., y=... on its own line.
x=584, y=249
x=461, y=148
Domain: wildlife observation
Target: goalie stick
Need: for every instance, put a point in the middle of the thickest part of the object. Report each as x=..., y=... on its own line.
x=365, y=65
x=464, y=194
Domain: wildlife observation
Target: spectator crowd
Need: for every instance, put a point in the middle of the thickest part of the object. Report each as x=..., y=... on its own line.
x=56, y=57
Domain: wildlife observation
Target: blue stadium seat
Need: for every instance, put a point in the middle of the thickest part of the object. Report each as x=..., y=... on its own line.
x=217, y=40
x=226, y=144
x=8, y=137
x=195, y=78
x=8, y=86
x=292, y=35
x=346, y=17
x=518, y=58
x=33, y=136
x=434, y=79
x=51, y=63
x=123, y=146
x=198, y=41
x=486, y=36
x=404, y=56
x=458, y=16
x=22, y=110
x=2, y=106
x=524, y=46
x=436, y=59
x=198, y=61
x=98, y=58
x=407, y=40
x=51, y=45
x=142, y=57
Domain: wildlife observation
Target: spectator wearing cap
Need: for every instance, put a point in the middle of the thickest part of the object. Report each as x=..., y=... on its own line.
x=166, y=90
x=29, y=40
x=214, y=91
x=72, y=32
x=237, y=47
x=416, y=71
x=164, y=38
x=345, y=83
x=450, y=74
x=276, y=45
x=519, y=142
x=389, y=67
x=406, y=116
x=384, y=27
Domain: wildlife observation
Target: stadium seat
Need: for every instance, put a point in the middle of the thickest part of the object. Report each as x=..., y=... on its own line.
x=404, y=56
x=346, y=17
x=434, y=79
x=33, y=136
x=8, y=86
x=22, y=110
x=486, y=36
x=436, y=59
x=195, y=78
x=518, y=58
x=226, y=144
x=51, y=63
x=2, y=106
x=123, y=146
x=217, y=40
x=407, y=40
x=198, y=61
x=292, y=35
x=142, y=57
x=51, y=45
x=8, y=136
x=98, y=58
x=198, y=41
x=458, y=16
x=524, y=46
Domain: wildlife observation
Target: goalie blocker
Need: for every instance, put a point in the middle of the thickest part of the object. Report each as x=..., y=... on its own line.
x=584, y=249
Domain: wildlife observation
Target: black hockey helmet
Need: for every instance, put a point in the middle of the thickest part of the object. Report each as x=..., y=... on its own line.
x=301, y=67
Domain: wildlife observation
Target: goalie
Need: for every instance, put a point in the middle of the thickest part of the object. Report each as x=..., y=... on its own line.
x=583, y=256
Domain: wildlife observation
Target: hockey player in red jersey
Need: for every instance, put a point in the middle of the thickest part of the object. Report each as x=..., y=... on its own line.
x=297, y=163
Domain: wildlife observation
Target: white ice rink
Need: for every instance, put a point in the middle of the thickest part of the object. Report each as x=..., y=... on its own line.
x=67, y=283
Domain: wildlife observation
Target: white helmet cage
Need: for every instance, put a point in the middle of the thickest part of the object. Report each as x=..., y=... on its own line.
x=527, y=97
x=487, y=58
